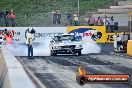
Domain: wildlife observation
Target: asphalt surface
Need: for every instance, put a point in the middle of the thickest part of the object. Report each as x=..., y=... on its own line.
x=60, y=71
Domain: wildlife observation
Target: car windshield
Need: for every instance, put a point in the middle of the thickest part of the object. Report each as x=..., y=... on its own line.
x=57, y=38
x=67, y=37
x=64, y=37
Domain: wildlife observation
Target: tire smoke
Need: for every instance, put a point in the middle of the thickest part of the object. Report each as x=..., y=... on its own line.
x=42, y=48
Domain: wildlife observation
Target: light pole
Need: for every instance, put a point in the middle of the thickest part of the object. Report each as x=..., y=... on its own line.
x=78, y=7
x=130, y=24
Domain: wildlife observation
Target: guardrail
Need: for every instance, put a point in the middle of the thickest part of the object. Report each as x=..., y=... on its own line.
x=115, y=11
x=124, y=2
x=12, y=73
x=121, y=7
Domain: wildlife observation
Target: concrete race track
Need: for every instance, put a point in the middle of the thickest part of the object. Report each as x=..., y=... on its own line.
x=60, y=71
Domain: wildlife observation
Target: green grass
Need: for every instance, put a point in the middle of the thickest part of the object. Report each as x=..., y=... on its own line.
x=38, y=12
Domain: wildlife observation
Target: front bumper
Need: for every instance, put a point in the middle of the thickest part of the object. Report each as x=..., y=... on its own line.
x=67, y=50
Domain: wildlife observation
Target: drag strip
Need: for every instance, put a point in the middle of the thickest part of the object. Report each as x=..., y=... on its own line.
x=60, y=71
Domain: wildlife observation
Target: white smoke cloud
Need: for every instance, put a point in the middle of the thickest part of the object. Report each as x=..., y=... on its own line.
x=90, y=47
x=42, y=48
x=39, y=49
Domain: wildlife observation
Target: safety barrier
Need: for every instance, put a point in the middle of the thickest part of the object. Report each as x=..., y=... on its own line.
x=124, y=2
x=121, y=7
x=45, y=34
x=118, y=11
x=12, y=74
x=129, y=47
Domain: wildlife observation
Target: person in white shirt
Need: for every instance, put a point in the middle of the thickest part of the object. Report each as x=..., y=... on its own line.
x=119, y=42
x=75, y=20
x=29, y=44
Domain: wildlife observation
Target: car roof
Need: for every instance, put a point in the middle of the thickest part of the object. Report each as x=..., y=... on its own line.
x=58, y=36
x=62, y=35
x=67, y=34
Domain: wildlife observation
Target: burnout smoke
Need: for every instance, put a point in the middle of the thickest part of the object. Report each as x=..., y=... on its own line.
x=42, y=48
x=39, y=48
x=90, y=46
x=17, y=49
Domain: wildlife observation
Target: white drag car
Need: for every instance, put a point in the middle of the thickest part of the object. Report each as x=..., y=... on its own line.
x=65, y=44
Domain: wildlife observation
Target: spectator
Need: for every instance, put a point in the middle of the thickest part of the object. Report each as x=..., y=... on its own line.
x=68, y=19
x=112, y=22
x=119, y=42
x=5, y=15
x=58, y=17
x=106, y=23
x=75, y=19
x=99, y=21
x=1, y=16
x=115, y=26
x=29, y=44
x=54, y=17
x=12, y=16
x=91, y=21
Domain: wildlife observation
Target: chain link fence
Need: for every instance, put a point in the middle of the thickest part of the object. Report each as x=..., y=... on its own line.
x=46, y=19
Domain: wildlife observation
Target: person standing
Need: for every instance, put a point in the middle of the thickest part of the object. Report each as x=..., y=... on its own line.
x=99, y=21
x=106, y=23
x=112, y=23
x=68, y=19
x=91, y=21
x=29, y=44
x=58, y=17
x=12, y=16
x=5, y=15
x=75, y=20
x=54, y=17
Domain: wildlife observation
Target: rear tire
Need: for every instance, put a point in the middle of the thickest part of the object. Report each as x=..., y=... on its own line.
x=53, y=53
x=79, y=53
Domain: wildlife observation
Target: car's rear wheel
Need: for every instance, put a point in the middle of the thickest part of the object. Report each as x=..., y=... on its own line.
x=53, y=53
x=79, y=53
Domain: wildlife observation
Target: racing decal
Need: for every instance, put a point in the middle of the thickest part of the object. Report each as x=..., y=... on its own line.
x=11, y=33
x=110, y=38
x=5, y=32
x=41, y=34
x=86, y=33
x=27, y=31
